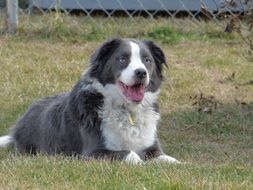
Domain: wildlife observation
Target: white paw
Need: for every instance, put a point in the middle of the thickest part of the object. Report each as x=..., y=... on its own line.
x=133, y=159
x=167, y=159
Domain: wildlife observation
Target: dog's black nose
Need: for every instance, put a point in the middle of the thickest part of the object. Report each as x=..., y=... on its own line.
x=140, y=73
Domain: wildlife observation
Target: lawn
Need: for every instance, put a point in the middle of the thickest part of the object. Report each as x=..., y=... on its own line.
x=206, y=103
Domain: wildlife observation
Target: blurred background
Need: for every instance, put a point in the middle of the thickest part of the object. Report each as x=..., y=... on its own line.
x=25, y=14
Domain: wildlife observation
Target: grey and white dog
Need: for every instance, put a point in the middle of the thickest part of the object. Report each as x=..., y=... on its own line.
x=111, y=113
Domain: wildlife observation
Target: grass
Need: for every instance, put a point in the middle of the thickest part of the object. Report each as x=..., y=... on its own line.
x=75, y=174
x=206, y=103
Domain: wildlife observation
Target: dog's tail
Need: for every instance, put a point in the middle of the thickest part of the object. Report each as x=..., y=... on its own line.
x=6, y=140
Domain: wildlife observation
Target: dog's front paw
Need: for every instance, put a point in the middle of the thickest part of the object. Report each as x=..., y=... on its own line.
x=133, y=159
x=90, y=98
x=167, y=159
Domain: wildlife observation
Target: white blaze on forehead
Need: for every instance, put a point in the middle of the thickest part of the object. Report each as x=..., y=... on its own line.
x=135, y=60
x=127, y=75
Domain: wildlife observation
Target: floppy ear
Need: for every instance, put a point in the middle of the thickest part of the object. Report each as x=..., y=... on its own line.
x=101, y=56
x=158, y=56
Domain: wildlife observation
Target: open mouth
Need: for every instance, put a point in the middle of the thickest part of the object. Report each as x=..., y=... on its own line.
x=134, y=93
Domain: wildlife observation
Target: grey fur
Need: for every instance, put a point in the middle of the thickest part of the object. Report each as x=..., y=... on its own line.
x=70, y=124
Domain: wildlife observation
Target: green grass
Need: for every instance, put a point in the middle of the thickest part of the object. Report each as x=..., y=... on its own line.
x=76, y=174
x=206, y=103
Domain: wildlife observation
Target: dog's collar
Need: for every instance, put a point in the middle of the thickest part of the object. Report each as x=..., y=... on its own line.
x=132, y=119
x=131, y=116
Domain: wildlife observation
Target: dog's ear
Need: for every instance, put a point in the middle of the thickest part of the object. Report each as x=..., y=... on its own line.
x=101, y=56
x=105, y=51
x=158, y=56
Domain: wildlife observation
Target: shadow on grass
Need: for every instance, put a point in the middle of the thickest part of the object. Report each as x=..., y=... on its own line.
x=170, y=35
x=223, y=134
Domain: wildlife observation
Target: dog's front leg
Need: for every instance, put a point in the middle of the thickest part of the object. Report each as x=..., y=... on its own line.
x=155, y=153
x=130, y=157
x=84, y=102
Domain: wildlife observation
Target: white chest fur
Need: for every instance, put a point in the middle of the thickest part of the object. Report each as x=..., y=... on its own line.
x=120, y=134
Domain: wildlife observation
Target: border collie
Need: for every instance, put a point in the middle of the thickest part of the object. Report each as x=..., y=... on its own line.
x=111, y=113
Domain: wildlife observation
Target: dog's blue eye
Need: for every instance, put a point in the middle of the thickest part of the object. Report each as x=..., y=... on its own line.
x=148, y=60
x=122, y=60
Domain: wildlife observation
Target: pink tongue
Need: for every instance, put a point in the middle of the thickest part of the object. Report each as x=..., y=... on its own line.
x=135, y=93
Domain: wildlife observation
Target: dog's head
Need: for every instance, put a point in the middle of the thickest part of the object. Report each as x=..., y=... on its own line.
x=135, y=67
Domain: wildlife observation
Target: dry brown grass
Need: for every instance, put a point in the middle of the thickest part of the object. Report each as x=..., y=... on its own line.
x=207, y=111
